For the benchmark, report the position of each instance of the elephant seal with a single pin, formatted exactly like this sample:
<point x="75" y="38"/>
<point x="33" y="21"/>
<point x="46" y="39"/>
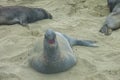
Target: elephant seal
<point x="56" y="54"/>
<point x="112" y="21"/>
<point x="22" y="15"/>
<point x="112" y="4"/>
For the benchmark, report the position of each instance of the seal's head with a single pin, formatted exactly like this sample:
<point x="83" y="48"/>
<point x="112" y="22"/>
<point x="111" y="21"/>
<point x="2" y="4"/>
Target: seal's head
<point x="50" y="38"/>
<point x="42" y="13"/>
<point x="106" y="30"/>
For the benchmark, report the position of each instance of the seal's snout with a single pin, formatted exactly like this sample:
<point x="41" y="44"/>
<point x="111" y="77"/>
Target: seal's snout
<point x="102" y="30"/>
<point x="50" y="36"/>
<point x="106" y="30"/>
<point x="51" y="41"/>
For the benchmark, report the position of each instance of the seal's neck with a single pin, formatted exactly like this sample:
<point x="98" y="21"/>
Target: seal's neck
<point x="51" y="51"/>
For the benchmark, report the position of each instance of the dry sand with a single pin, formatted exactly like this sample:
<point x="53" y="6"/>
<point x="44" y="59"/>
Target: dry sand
<point x="79" y="18"/>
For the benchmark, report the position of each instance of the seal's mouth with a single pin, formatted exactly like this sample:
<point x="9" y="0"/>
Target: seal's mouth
<point x="52" y="41"/>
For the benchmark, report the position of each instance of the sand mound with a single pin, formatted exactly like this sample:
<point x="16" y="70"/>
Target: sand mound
<point x="79" y="18"/>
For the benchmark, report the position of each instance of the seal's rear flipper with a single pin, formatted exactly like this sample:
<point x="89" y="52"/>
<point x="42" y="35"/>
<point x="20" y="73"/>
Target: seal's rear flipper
<point x="88" y="43"/>
<point x="74" y="42"/>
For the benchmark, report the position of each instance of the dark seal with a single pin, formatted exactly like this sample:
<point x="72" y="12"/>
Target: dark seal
<point x="22" y="15"/>
<point x="112" y="21"/>
<point x="112" y="4"/>
<point x="55" y="55"/>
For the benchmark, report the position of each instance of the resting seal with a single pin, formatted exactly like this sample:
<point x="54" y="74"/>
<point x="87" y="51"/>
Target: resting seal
<point x="22" y="15"/>
<point x="56" y="55"/>
<point x="112" y="21"/>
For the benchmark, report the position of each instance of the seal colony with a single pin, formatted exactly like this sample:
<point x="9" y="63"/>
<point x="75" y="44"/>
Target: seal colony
<point x="56" y="54"/>
<point x="22" y="15"/>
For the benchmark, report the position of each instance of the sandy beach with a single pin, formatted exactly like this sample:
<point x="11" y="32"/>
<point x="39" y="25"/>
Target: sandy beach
<point x="81" y="19"/>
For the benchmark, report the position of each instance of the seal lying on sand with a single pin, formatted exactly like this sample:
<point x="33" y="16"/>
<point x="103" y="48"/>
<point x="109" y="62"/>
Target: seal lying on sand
<point x="112" y="21"/>
<point x="56" y="55"/>
<point x="22" y="15"/>
<point x="112" y="4"/>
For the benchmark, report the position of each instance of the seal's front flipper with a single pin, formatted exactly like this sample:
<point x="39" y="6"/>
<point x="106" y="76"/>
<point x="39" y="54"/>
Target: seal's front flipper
<point x="24" y="24"/>
<point x="88" y="43"/>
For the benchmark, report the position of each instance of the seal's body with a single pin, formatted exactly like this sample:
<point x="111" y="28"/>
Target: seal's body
<point x="112" y="4"/>
<point x="22" y="15"/>
<point x="56" y="54"/>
